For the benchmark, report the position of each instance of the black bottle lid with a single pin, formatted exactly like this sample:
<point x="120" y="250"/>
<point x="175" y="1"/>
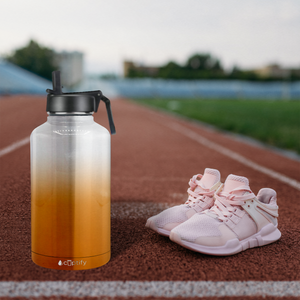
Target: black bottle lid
<point x="57" y="101"/>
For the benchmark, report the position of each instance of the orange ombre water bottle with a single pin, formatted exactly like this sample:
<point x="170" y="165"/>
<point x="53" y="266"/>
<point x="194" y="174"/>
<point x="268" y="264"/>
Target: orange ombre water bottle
<point x="70" y="182"/>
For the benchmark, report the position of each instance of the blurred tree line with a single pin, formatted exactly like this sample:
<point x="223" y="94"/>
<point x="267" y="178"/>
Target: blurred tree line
<point x="201" y="66"/>
<point x="198" y="66"/>
<point x="42" y="61"/>
<point x="35" y="58"/>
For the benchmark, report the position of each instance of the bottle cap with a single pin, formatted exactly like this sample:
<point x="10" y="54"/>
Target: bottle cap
<point x="57" y="101"/>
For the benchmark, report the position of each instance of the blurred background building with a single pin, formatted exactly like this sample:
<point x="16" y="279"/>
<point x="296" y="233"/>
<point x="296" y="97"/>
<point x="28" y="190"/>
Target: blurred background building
<point x="30" y="67"/>
<point x="71" y="66"/>
<point x="131" y="68"/>
<point x="273" y="70"/>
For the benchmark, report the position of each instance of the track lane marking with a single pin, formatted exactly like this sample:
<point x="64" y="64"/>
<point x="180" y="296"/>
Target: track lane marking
<point x="232" y="154"/>
<point x="14" y="146"/>
<point x="182" y="289"/>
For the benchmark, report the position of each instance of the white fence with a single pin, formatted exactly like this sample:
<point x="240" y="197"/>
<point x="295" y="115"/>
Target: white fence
<point x="149" y="88"/>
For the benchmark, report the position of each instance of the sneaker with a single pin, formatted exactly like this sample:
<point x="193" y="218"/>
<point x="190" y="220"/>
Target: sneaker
<point x="200" y="197"/>
<point x="238" y="220"/>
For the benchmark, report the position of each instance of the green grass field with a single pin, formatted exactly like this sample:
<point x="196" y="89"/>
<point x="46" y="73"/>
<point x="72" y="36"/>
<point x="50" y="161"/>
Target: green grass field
<point x="276" y="123"/>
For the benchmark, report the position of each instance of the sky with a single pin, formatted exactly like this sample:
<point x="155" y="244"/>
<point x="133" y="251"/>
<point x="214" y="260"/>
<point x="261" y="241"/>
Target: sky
<point x="248" y="33"/>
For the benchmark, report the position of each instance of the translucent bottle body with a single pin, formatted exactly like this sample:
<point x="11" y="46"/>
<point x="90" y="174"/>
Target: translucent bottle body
<point x="70" y="193"/>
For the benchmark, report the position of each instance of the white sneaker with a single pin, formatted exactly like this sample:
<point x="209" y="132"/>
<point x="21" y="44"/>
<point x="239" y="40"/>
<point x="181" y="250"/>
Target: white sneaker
<point x="201" y="192"/>
<point x="238" y="220"/>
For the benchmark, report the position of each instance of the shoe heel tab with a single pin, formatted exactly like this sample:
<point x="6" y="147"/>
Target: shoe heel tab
<point x="267" y="196"/>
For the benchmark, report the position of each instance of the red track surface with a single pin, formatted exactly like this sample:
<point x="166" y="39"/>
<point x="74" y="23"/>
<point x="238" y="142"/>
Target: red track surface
<point x="150" y="163"/>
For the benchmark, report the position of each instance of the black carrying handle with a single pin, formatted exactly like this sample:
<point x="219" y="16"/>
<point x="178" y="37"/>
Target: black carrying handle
<point x="99" y="96"/>
<point x="109" y="114"/>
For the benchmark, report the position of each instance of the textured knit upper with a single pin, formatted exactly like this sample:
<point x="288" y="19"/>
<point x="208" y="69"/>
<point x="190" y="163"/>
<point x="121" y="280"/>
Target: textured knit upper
<point x="200" y="197"/>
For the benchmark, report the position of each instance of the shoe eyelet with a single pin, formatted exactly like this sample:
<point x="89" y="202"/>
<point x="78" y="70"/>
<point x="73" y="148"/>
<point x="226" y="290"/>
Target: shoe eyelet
<point x="248" y="205"/>
<point x="252" y="201"/>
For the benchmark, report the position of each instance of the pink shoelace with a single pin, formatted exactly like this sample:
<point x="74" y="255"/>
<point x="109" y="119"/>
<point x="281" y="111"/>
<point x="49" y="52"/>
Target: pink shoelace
<point x="199" y="196"/>
<point x="227" y="204"/>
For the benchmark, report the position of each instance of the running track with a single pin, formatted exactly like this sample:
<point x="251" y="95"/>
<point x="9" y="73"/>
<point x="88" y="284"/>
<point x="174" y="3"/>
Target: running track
<point x="153" y="157"/>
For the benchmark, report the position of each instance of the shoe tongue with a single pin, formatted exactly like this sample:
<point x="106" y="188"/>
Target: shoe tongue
<point x="234" y="181"/>
<point x="209" y="179"/>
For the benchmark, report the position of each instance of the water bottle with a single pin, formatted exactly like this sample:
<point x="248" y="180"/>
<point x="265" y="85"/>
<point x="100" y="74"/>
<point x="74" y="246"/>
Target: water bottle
<point x="70" y="182"/>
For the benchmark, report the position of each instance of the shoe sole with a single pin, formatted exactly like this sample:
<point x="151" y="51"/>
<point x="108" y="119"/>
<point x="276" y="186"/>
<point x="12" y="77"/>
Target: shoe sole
<point x="267" y="235"/>
<point x="151" y="225"/>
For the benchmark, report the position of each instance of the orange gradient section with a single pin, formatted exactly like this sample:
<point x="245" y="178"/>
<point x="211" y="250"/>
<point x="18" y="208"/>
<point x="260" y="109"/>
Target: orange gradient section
<point x="70" y="219"/>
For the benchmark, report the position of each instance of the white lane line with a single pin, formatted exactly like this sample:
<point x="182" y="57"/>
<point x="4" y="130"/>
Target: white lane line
<point x="182" y="289"/>
<point x="234" y="155"/>
<point x="14" y="146"/>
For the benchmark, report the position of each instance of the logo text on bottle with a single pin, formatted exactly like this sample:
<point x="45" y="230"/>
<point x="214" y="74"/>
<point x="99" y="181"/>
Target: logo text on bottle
<point x="71" y="263"/>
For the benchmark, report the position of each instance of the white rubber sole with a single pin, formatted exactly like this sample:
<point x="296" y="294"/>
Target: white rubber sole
<point x="150" y="224"/>
<point x="265" y="236"/>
